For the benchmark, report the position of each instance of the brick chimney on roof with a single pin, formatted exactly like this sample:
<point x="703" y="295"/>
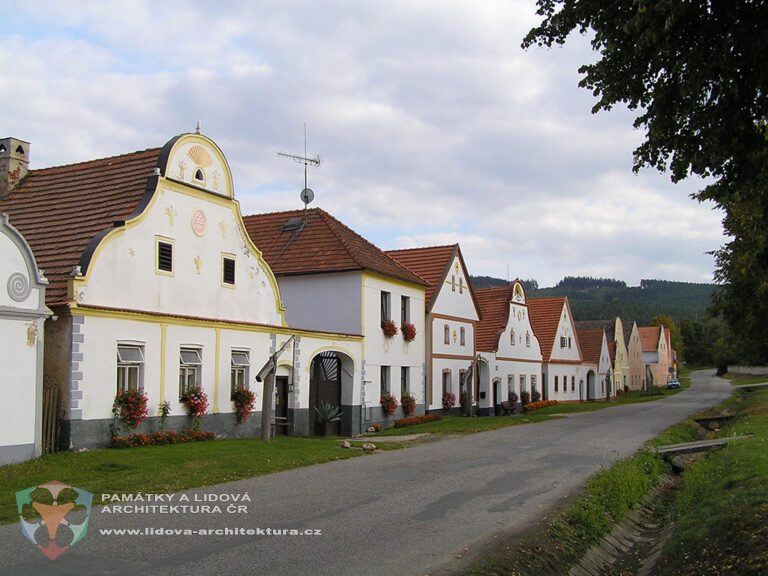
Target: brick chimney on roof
<point x="14" y="163"/>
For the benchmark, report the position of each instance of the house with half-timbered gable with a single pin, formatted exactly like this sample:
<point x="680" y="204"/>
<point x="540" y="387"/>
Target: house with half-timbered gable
<point x="555" y="328"/>
<point x="452" y="314"/>
<point x="156" y="286"/>
<point x="333" y="279"/>
<point x="508" y="346"/>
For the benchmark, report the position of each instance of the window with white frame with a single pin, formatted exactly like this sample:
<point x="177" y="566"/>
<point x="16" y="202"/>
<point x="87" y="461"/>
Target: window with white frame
<point x="239" y="372"/>
<point x="512" y="336"/>
<point x="386" y="306"/>
<point x="130" y="368"/>
<point x="405" y="310"/>
<point x="573" y="383"/>
<point x="527" y="340"/>
<point x="523" y="385"/>
<point x="557" y="384"/>
<point x="405" y="377"/>
<point x="446" y="334"/>
<point x="510" y="384"/>
<point x="462" y="337"/>
<point x="563" y="341"/>
<point x="190" y="366"/>
<point x="446" y="381"/>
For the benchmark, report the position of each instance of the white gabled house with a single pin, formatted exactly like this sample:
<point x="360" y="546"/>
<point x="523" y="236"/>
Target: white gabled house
<point x="157" y="286"/>
<point x="596" y="364"/>
<point x="553" y="323"/>
<point x="510" y="352"/>
<point x="332" y="279"/>
<point x="452" y="314"/>
<point x="22" y="314"/>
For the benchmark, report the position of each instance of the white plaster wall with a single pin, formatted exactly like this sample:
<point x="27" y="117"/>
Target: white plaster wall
<point x="18" y="369"/>
<point x="454" y="347"/>
<point x="452" y="301"/>
<point x="330" y="302"/>
<point x="455" y="366"/>
<point x="566" y="329"/>
<point x="395" y="352"/>
<point x="12" y="262"/>
<point x="520" y="322"/>
<point x="123" y="272"/>
<point x="568" y="371"/>
<point x="503" y="369"/>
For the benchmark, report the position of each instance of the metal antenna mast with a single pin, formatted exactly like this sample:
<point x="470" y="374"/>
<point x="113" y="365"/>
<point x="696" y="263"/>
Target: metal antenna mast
<point x="306" y="194"/>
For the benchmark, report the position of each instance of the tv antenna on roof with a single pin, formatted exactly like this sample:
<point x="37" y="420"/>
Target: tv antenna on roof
<point x="306" y="194"/>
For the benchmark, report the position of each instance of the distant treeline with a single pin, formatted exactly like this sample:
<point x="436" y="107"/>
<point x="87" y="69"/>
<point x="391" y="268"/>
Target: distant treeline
<point x="606" y="298"/>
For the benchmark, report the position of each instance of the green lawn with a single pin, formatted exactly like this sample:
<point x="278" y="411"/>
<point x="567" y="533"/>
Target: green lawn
<point x="463" y="425"/>
<point x="163" y="469"/>
<point x="629" y="398"/>
<point x="745" y="379"/>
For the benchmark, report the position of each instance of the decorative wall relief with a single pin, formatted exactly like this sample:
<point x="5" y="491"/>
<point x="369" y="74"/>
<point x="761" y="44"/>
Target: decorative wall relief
<point x="200" y="156"/>
<point x="216" y="180"/>
<point x="182" y="167"/>
<point x="131" y="252"/>
<point x="198" y="264"/>
<point x="18" y="287"/>
<point x="171" y="212"/>
<point x="223" y="229"/>
<point x="199" y="222"/>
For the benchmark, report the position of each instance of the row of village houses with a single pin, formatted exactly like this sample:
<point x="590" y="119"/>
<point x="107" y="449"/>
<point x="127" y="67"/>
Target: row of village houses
<point x="139" y="271"/>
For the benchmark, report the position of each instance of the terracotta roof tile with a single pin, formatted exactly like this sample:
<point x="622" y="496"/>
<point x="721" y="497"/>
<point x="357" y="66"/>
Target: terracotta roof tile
<point x="608" y="325"/>
<point x="612" y="351"/>
<point x="649" y="337"/>
<point x="494" y="307"/>
<point x="428" y="263"/>
<point x="60" y="209"/>
<point x="545" y="316"/>
<point x="591" y="342"/>
<point x="321" y="245"/>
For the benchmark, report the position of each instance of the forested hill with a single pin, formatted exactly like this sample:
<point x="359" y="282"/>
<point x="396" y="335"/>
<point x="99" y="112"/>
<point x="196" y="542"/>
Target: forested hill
<point x="605" y="298"/>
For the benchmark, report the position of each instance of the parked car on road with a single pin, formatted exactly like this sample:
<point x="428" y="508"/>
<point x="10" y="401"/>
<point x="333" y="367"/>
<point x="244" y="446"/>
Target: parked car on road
<point x="673" y="384"/>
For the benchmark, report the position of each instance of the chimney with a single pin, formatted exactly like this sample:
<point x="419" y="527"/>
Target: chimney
<point x="14" y="163"/>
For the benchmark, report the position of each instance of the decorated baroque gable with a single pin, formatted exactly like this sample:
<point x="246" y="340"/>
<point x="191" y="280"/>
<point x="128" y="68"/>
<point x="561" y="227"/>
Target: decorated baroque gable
<point x="185" y="250"/>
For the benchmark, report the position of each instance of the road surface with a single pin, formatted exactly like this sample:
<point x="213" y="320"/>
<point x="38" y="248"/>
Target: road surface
<point x="398" y="512"/>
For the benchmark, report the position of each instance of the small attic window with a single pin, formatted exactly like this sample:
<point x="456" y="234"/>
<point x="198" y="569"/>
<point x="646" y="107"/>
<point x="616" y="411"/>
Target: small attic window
<point x="293" y="224"/>
<point x="20" y="150"/>
<point x="199" y="175"/>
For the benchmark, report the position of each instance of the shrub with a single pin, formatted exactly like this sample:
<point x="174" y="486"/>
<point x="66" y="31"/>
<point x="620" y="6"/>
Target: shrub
<point x="409" y="331"/>
<point x="512" y="397"/>
<point x="403" y="422"/>
<point x="388" y="403"/>
<point x="163" y="410"/>
<point x="525" y="397"/>
<point x="409" y="404"/>
<point x="243" y="400"/>
<point x="535" y="396"/>
<point x="626" y="388"/>
<point x="619" y="393"/>
<point x="161" y="438"/>
<point x="389" y="328"/>
<point x="540" y="404"/>
<point x="130" y="407"/>
<point x="449" y="400"/>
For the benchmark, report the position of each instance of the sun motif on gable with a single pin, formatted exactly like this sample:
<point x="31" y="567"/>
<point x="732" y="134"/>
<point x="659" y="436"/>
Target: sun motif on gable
<point x="517" y="293"/>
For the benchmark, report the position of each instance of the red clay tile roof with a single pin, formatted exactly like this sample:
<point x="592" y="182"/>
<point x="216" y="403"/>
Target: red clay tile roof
<point x="627" y="329"/>
<point x="322" y="245"/>
<point x="60" y="209"/>
<point x="591" y="342"/>
<point x="612" y="351"/>
<point x="545" y="318"/>
<point x="649" y="337"/>
<point x="433" y="265"/>
<point x="494" y="308"/>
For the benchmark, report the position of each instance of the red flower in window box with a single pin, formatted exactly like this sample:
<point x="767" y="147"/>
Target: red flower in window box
<point x="196" y="401"/>
<point x="243" y="400"/>
<point x="389" y="403"/>
<point x="389" y="328"/>
<point x="409" y="331"/>
<point x="130" y="407"/>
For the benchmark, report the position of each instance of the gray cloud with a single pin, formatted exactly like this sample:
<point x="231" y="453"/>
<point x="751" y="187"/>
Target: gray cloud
<point x="434" y="126"/>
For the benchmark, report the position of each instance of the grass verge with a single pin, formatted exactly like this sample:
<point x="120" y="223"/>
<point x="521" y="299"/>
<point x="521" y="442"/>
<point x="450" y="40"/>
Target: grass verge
<point x="721" y="509"/>
<point x="463" y="425"/>
<point x="745" y="379"/>
<point x="163" y="469"/>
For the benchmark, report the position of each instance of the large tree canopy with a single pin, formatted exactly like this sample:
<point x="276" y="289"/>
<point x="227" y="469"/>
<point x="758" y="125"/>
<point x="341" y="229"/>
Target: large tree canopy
<point x="696" y="72"/>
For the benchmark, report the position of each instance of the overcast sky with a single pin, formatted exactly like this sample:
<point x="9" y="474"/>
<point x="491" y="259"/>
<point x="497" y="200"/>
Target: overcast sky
<point x="433" y="125"/>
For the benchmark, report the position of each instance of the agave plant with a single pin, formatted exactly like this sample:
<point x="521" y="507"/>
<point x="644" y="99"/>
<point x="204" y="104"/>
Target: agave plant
<point x="328" y="412"/>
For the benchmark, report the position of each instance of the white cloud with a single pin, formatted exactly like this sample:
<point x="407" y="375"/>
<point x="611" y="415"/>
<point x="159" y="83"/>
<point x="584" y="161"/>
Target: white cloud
<point x="433" y="125"/>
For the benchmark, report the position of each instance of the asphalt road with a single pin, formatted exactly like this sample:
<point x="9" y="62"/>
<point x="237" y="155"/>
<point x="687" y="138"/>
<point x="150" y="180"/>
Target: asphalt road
<point x="398" y="512"/>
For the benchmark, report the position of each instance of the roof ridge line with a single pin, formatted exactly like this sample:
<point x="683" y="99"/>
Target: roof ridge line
<point x="421" y="248"/>
<point x="94" y="160"/>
